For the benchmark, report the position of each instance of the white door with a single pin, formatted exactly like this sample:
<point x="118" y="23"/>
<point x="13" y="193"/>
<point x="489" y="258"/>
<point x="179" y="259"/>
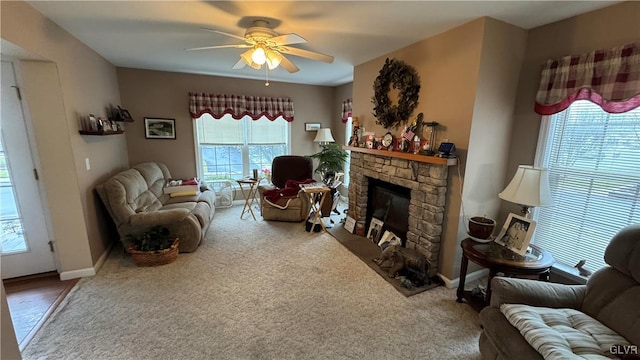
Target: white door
<point x="24" y="245"/>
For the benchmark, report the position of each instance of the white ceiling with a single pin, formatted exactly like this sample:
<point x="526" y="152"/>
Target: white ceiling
<point x="154" y="34"/>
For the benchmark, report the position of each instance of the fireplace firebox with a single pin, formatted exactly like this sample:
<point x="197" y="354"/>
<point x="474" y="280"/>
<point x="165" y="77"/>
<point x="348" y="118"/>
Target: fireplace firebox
<point x="389" y="203"/>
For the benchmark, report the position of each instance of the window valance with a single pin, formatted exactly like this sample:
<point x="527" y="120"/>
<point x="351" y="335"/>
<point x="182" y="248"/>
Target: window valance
<point x="239" y="106"/>
<point x="609" y="78"/>
<point x="346" y="110"/>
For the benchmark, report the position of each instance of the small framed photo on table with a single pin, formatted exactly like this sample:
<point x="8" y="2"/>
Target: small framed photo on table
<point x="516" y="233"/>
<point x="159" y="128"/>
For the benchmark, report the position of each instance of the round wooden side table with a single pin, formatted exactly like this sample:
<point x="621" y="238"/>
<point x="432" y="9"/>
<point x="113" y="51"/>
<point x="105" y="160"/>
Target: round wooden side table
<point x="499" y="259"/>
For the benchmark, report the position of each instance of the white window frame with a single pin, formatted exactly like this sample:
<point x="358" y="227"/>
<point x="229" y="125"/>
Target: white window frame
<point x="245" y="152"/>
<point x="545" y="134"/>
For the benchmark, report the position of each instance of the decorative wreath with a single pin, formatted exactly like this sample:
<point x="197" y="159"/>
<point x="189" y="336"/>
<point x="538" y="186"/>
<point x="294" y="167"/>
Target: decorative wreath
<point x="401" y="76"/>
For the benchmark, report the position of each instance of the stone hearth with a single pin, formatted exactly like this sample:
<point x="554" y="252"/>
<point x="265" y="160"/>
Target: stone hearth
<point x="428" y="184"/>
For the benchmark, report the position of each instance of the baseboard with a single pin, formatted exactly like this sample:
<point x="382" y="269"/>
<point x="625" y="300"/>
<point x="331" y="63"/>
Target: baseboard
<point x="73" y="274"/>
<point x="452" y="284"/>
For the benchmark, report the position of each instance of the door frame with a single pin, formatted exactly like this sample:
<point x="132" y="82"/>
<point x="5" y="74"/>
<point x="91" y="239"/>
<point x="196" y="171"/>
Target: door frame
<point x="17" y="70"/>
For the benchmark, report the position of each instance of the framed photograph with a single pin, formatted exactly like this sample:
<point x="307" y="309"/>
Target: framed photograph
<point x="516" y="233"/>
<point x="159" y="128"/>
<point x="311" y="126"/>
<point x="350" y="224"/>
<point x="124" y="115"/>
<point x="388" y="239"/>
<point x="375" y="230"/>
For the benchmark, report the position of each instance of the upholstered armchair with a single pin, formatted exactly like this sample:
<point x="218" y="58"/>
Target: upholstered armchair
<point x="291" y="205"/>
<point x="528" y="318"/>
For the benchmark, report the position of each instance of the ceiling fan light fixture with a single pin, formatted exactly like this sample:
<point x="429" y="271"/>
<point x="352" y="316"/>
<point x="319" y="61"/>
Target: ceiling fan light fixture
<point x="259" y="56"/>
<point x="273" y="59"/>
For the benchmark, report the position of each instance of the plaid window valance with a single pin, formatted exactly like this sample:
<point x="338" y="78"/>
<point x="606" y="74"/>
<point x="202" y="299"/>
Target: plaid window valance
<point x="239" y="106"/>
<point x="609" y="78"/>
<point x="346" y="110"/>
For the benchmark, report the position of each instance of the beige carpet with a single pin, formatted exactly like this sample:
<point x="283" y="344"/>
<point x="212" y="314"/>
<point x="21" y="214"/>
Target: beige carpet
<point x="254" y="290"/>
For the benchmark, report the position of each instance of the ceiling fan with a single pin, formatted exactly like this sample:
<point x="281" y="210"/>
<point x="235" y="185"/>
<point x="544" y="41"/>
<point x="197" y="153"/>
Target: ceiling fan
<point x="267" y="47"/>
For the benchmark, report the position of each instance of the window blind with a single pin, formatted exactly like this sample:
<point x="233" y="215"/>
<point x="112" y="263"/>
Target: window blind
<point x="594" y="172"/>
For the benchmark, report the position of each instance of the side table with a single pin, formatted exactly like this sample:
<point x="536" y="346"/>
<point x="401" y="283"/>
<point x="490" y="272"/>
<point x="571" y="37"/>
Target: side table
<point x="249" y="195"/>
<point x="499" y="259"/>
<point x="316" y="192"/>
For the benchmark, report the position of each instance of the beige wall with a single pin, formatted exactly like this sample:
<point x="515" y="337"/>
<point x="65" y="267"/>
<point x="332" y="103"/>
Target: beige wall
<point x="8" y="343"/>
<point x="608" y="27"/>
<point x="468" y="80"/>
<point x="88" y="84"/>
<point x="147" y="93"/>
<point x="342" y="93"/>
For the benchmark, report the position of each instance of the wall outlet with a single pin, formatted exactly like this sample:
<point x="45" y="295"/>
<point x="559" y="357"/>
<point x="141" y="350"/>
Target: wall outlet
<point x="87" y="163"/>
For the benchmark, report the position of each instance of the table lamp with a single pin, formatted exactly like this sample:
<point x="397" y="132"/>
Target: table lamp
<point x="528" y="188"/>
<point x="323" y="136"/>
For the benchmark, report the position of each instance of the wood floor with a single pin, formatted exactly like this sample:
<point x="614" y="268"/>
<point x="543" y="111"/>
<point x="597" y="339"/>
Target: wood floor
<point x="32" y="299"/>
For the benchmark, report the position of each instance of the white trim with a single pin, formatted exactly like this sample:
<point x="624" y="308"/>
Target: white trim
<point x="73" y="274"/>
<point x="452" y="284"/>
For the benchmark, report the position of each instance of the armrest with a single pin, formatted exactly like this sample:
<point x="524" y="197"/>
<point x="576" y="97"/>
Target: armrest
<point x="535" y="293"/>
<point x="160" y="217"/>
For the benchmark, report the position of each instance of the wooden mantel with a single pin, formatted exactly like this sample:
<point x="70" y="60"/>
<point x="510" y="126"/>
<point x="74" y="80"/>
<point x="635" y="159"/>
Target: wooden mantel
<point x="407" y="156"/>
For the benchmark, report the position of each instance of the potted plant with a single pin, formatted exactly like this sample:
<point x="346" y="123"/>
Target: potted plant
<point x="481" y="227"/>
<point x="152" y="247"/>
<point x="331" y="160"/>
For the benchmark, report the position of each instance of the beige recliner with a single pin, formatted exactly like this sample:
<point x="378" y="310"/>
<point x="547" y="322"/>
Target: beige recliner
<point x="610" y="299"/>
<point x="284" y="168"/>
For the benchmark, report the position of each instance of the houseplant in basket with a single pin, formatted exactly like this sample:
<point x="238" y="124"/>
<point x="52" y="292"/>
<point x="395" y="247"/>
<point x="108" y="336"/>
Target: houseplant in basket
<point x="152" y="247"/>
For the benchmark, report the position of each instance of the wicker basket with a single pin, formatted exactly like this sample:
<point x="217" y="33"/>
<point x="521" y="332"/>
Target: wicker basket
<point x="155" y="258"/>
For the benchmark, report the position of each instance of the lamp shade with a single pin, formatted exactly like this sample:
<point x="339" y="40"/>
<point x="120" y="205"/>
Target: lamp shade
<point x="529" y="187"/>
<point x="324" y="136"/>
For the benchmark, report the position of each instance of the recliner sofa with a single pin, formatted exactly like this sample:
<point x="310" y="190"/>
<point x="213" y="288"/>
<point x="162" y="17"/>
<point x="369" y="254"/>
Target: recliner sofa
<point x="136" y="202"/>
<point x="598" y="320"/>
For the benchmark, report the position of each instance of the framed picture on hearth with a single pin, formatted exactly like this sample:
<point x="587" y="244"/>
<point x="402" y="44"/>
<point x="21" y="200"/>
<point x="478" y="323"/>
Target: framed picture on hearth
<point x="375" y="230"/>
<point x="388" y="239"/>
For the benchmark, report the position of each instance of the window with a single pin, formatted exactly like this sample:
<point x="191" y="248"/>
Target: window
<point x="594" y="173"/>
<point x="230" y="149"/>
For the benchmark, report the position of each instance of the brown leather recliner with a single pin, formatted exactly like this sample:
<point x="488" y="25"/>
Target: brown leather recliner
<point x="284" y="168"/>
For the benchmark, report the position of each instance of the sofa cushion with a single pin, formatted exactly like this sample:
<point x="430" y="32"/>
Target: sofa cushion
<point x="562" y="333"/>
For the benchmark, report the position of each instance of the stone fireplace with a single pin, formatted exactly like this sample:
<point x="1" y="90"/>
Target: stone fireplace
<point x="425" y="178"/>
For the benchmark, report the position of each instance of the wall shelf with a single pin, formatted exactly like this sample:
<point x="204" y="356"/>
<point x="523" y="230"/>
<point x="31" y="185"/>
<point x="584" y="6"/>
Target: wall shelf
<point x="404" y="155"/>
<point x="100" y="133"/>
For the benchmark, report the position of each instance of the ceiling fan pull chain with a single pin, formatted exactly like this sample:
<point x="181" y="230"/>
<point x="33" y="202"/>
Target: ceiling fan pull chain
<point x="266" y="68"/>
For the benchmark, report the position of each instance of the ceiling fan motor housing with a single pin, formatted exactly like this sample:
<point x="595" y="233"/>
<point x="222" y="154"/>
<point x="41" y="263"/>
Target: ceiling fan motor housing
<point x="260" y="31"/>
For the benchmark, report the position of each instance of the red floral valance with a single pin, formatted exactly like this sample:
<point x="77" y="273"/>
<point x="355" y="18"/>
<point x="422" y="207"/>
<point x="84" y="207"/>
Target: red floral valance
<point x="609" y="78"/>
<point x="346" y="110"/>
<point x="239" y="106"/>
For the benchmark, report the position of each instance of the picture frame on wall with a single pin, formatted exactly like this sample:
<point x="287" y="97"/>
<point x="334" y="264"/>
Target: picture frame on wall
<point x="311" y="126"/>
<point x="516" y="233"/>
<point x="159" y="128"/>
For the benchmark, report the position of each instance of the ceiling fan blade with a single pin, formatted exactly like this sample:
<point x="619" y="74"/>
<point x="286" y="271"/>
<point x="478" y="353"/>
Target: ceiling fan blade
<point x="239" y="65"/>
<point x="288" y="39"/>
<point x="224" y="33"/>
<point x="306" y="54"/>
<point x="237" y="46"/>
<point x="288" y="65"/>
